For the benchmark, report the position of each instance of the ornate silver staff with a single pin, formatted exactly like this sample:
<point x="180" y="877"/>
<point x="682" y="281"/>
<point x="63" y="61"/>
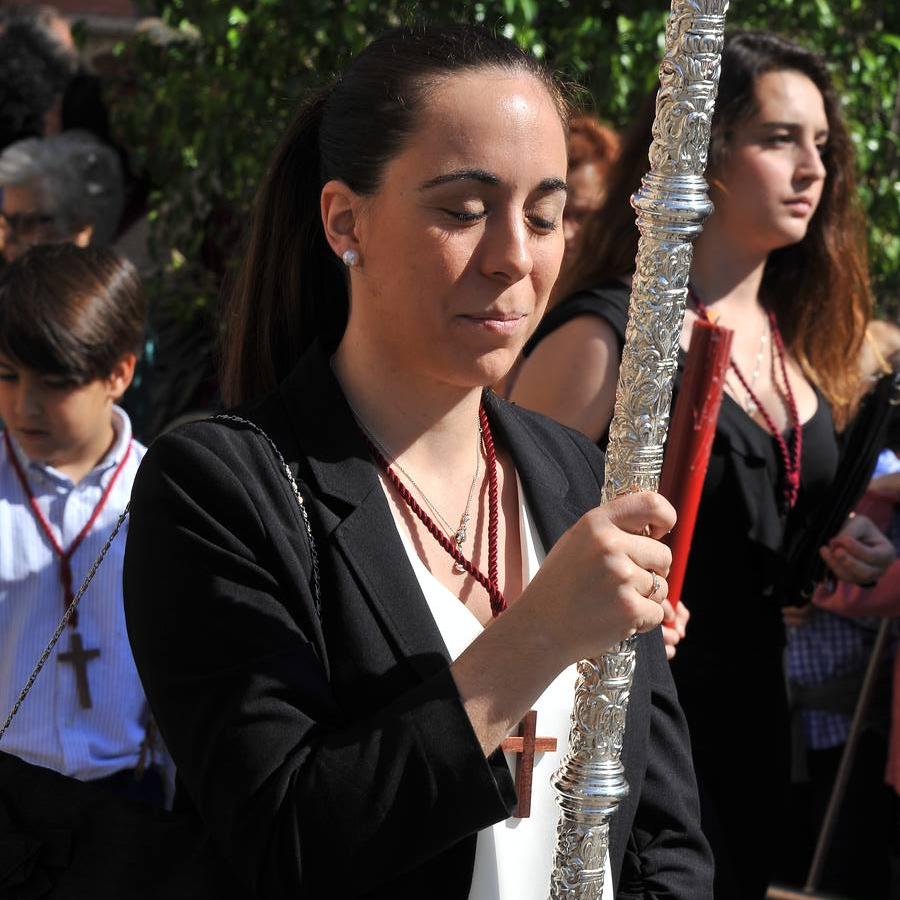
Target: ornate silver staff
<point x="671" y="205"/>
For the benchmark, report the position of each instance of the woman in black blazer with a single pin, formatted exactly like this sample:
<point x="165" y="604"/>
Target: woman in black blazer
<point x="304" y="686"/>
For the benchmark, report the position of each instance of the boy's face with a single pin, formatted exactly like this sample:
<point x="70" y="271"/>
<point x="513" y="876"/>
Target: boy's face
<point x="66" y="426"/>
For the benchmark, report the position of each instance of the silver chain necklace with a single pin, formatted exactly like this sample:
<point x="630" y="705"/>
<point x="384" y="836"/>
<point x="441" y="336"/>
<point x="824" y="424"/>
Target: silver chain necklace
<point x="462" y="530"/>
<point x="750" y="405"/>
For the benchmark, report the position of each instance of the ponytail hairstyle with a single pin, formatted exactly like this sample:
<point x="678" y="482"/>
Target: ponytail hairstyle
<point x="819" y="287"/>
<point x="291" y="289"/>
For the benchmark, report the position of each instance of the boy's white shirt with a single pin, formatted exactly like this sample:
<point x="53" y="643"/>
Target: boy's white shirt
<point x="52" y="729"/>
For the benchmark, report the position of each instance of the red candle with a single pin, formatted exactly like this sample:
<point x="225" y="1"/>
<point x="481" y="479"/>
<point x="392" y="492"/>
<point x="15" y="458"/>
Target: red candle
<point x="690" y="439"/>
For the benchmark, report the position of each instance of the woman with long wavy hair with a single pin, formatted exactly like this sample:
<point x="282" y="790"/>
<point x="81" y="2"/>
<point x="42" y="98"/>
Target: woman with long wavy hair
<point x="782" y="263"/>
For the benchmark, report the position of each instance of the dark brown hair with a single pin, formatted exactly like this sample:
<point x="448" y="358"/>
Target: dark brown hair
<point x="607" y="242"/>
<point x="590" y="141"/>
<point x="822" y="279"/>
<point x="291" y="288"/>
<point x="70" y="311"/>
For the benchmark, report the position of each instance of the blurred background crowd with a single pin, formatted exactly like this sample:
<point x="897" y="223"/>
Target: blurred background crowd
<point x="150" y="124"/>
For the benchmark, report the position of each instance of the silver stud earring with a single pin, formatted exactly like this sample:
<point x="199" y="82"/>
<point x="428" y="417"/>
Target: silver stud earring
<point x="350" y="258"/>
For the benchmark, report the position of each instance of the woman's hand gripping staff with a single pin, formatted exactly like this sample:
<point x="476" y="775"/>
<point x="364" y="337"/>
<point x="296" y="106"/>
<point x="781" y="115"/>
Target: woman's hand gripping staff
<point x="602" y="582"/>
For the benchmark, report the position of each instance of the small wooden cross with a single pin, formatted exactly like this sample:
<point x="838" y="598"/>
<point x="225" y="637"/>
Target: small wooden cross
<point x="526" y="745"/>
<point x="79" y="657"/>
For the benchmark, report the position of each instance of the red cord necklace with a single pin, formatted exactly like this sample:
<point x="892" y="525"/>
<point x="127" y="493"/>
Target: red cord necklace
<point x="490" y="582"/>
<point x="790" y="457"/>
<point x="64" y="555"/>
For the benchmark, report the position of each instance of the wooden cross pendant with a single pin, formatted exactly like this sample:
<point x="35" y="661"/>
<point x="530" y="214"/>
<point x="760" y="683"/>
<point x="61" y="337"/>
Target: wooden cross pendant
<point x="79" y="658"/>
<point x="526" y="745"/>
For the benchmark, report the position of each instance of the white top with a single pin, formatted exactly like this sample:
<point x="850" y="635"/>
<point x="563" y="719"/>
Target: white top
<point x="52" y="729"/>
<point x="514" y="858"/>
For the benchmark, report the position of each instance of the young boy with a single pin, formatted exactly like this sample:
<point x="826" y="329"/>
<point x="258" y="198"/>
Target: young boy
<point x="71" y="326"/>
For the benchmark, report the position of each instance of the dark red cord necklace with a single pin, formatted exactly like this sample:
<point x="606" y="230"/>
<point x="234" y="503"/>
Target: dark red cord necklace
<point x="790" y="457"/>
<point x="490" y="582"/>
<point x="64" y="555"/>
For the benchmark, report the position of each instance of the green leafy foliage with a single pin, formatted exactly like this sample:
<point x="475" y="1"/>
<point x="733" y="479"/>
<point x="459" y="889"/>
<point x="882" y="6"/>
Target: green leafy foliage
<point x="203" y="111"/>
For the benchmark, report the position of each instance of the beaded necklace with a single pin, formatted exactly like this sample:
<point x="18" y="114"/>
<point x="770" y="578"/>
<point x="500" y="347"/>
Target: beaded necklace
<point x="64" y="554"/>
<point x="460" y="533"/>
<point x="489" y="582"/>
<point x="790" y="457"/>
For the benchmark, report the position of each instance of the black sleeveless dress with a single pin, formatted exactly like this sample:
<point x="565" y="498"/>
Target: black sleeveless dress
<point x="728" y="669"/>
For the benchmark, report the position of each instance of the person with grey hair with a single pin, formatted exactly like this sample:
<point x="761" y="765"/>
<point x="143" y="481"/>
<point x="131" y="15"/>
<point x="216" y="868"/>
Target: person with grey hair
<point x="58" y="189"/>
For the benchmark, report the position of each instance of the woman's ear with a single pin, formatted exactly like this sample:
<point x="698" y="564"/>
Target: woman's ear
<point x="340" y="208"/>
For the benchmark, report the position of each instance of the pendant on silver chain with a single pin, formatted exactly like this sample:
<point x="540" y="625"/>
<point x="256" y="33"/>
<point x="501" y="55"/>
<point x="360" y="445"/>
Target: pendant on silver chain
<point x="460" y="538"/>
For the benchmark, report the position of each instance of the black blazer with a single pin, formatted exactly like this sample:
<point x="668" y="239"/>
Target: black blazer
<point x="329" y="752"/>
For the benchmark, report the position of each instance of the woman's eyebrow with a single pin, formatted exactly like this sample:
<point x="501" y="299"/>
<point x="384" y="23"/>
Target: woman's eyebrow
<point x="549" y="185"/>
<point x="482" y="176"/>
<point x="479" y="175"/>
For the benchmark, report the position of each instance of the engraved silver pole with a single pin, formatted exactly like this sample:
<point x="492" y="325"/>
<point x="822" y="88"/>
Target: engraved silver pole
<point x="671" y="205"/>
